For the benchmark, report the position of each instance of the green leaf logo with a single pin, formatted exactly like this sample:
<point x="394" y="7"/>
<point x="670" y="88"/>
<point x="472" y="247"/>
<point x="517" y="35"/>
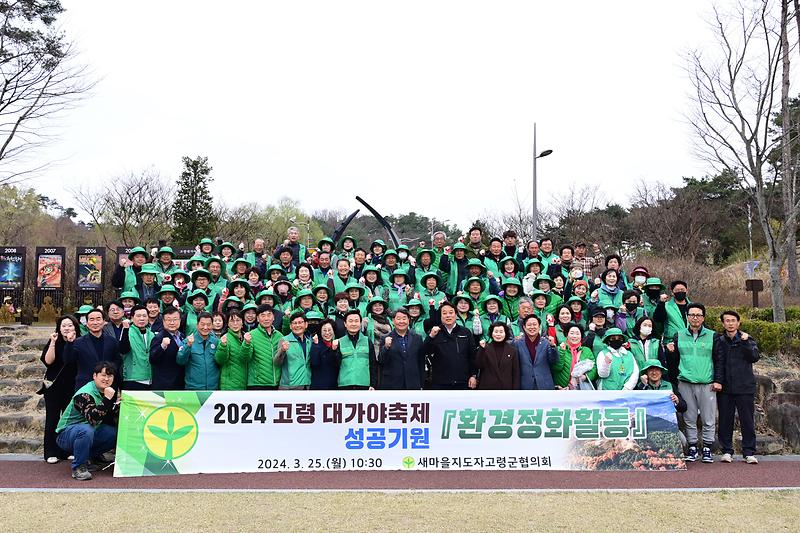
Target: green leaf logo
<point x="170" y="432"/>
<point x="408" y="462"/>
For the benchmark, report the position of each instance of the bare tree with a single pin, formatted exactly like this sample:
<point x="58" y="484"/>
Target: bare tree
<point x="734" y="96"/>
<point x="572" y="212"/>
<point x="39" y="79"/>
<point x="240" y="223"/>
<point x="133" y="209"/>
<point x="518" y="218"/>
<point x="787" y="170"/>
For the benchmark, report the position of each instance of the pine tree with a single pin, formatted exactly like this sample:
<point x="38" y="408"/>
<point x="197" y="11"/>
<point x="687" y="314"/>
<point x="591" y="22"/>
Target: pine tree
<point x="193" y="206"/>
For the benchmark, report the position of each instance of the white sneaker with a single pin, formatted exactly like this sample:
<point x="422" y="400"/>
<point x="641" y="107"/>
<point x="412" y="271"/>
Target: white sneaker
<point x="751" y="460"/>
<point x="71" y="458"/>
<point x="53" y="460"/>
<point x="726" y="458"/>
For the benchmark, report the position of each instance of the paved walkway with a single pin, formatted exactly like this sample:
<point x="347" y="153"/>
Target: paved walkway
<point x="20" y="472"/>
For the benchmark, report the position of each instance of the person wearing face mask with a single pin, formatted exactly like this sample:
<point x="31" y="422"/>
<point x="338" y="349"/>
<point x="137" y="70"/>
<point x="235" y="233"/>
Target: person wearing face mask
<point x="639" y="276"/>
<point x="629" y="313"/>
<point x="653" y="290"/>
<point x="616" y="366"/>
<point x="645" y="344"/>
<point x="672" y="313"/>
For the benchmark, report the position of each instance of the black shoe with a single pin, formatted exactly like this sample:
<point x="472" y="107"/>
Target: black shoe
<point x="692" y="455"/>
<point x="82" y="473"/>
<point x="707" y="457"/>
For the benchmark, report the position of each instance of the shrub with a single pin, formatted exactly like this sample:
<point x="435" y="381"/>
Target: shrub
<point x="772" y="337"/>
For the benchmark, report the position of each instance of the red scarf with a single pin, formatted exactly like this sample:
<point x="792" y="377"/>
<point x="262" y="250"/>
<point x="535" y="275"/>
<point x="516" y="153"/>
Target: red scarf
<point x="532" y="344"/>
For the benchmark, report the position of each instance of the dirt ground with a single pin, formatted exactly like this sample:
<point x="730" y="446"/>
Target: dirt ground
<point x="427" y="511"/>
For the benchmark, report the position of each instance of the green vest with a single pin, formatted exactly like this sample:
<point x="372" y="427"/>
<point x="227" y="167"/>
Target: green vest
<point x="437" y="297"/>
<point x="164" y="271"/>
<point x="72" y="416"/>
<point x="338" y="284"/>
<point x="191" y="320"/>
<point x="492" y="266"/>
<point x="485" y="323"/>
<point x="622" y="366"/>
<point x="675" y="321"/>
<point x="631" y="319"/>
<point x="296" y="368"/>
<point x="697" y="364"/>
<point x="605" y="299"/>
<point x="638" y="350"/>
<point x="232" y="359"/>
<point x="354" y="369"/>
<point x="130" y="280"/>
<point x="136" y="363"/>
<point x="510" y="307"/>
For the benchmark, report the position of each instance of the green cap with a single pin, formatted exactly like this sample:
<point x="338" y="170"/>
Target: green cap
<point x="195" y="293"/>
<point x="429" y="274"/>
<point x="652" y="363"/>
<point x="149" y="268"/>
<point x="475" y="278"/>
<point x="511" y="281"/>
<point x="377" y="300"/>
<point x="400" y="272"/>
<point x="353" y="284"/>
<point x="458" y="246"/>
<point x="265" y="292"/>
<point x="377" y="241"/>
<point x="223" y="268"/>
<point x="537" y="292"/>
<point x="346" y="237"/>
<point x="654" y="282"/>
<point x="230" y="300"/>
<point x="373" y="268"/>
<point x="613" y="332"/>
<point x="180" y="272"/>
<point x="138" y="250"/>
<point x="314" y="315"/>
<point x="86" y="309"/>
<point x="490" y="298"/>
<point x="275" y="267"/>
<point x="467" y="299"/>
<point x="390" y="251"/>
<point x="507" y="258"/>
<point x="324" y="240"/>
<point x="200" y="272"/>
<point x="476" y="262"/>
<point x="165" y="289"/>
<point x="323" y="287"/>
<point x="301" y="294"/>
<point x="226" y="244"/>
<point x="540" y="278"/>
<point x="248" y="306"/>
<point x="197" y="259"/>
<point x="206" y="241"/>
<point x="166" y="250"/>
<point x="528" y="262"/>
<point x="425" y="251"/>
<point x="240" y="260"/>
<point x="583" y="303"/>
<point x="133" y="295"/>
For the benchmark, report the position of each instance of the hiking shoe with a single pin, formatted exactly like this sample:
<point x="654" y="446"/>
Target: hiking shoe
<point x="81" y="473"/>
<point x="751" y="460"/>
<point x="726" y="458"/>
<point x="707" y="458"/>
<point x="692" y="455"/>
<point x="53" y="460"/>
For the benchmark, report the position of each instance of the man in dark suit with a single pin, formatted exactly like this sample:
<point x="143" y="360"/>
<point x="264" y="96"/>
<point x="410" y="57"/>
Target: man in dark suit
<point x="96" y="347"/>
<point x="401" y="358"/>
<point x="167" y="373"/>
<point x="452" y="352"/>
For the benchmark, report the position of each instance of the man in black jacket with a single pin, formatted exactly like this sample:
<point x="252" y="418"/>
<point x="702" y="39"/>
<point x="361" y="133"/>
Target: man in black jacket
<point x="167" y="374"/>
<point x="452" y="352"/>
<point x="734" y="354"/>
<point x="401" y="358"/>
<point x="96" y="347"/>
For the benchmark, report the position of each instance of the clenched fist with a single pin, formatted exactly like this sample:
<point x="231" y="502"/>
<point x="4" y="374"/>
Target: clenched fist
<point x="224" y="340"/>
<point x="387" y="342"/>
<point x="248" y="338"/>
<point x="164" y="343"/>
<point x="190" y="340"/>
<point x="284" y="346"/>
<point x="435" y="331"/>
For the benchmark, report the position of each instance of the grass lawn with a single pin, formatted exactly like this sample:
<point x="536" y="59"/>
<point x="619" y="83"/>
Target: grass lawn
<point x="349" y="511"/>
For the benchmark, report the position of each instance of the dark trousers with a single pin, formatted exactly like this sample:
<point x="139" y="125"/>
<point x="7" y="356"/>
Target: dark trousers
<point x="354" y="387"/>
<point x="55" y="402"/>
<point x="744" y="404"/>
<point x="262" y="387"/>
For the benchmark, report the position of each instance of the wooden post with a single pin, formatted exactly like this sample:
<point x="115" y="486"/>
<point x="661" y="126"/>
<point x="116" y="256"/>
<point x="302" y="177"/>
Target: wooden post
<point x="755" y="286"/>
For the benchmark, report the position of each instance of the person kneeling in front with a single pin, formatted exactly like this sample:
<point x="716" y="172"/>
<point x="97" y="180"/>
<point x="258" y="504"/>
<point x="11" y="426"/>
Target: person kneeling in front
<point x="86" y="429"/>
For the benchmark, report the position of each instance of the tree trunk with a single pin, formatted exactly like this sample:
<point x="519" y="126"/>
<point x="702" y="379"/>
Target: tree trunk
<point x="776" y="290"/>
<point x="787" y="168"/>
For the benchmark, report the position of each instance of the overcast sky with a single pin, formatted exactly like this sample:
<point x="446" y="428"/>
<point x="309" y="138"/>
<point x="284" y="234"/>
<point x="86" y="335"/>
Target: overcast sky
<point x="424" y="106"/>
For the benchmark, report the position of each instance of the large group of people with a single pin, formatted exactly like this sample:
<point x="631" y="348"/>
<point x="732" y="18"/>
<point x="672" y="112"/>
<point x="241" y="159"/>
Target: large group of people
<point x="477" y="314"/>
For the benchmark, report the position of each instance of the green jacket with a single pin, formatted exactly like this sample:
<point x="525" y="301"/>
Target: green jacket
<point x="130" y="280"/>
<point x="296" y="367"/>
<point x="172" y="267"/>
<point x="72" y="416"/>
<point x="232" y="358"/>
<point x="696" y="362"/>
<point x="202" y="372"/>
<point x="563" y="367"/>
<point x="509" y="306"/>
<point x="607" y="299"/>
<point x="136" y="362"/>
<point x="354" y="369"/>
<point x="261" y="370"/>
<point x="425" y="297"/>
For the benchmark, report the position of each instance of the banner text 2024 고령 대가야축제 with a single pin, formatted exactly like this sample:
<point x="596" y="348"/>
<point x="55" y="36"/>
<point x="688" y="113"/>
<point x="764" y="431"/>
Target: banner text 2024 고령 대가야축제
<point x="190" y="432"/>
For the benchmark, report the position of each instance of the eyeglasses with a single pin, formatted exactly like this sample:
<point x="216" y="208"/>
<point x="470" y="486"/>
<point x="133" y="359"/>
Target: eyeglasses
<point x="694" y="315"/>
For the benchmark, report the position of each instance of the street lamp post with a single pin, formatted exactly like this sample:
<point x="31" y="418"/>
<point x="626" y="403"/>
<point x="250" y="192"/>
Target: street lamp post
<point x="544" y="153"/>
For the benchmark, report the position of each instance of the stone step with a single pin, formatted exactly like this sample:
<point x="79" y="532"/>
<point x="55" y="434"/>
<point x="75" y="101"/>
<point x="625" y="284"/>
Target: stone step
<point x="16" y="422"/>
<point x="30" y="370"/>
<point x="765" y="444"/>
<point x="14" y="402"/>
<point x="32" y="344"/>
<point x="15" y="328"/>
<point x="10" y="444"/>
<point x="6" y="339"/>
<point x="784" y="397"/>
<point x="29" y="357"/>
<point x="26" y="385"/>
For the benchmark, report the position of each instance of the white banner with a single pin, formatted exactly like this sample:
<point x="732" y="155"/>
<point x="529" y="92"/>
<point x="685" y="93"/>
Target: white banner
<point x="189" y="432"/>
